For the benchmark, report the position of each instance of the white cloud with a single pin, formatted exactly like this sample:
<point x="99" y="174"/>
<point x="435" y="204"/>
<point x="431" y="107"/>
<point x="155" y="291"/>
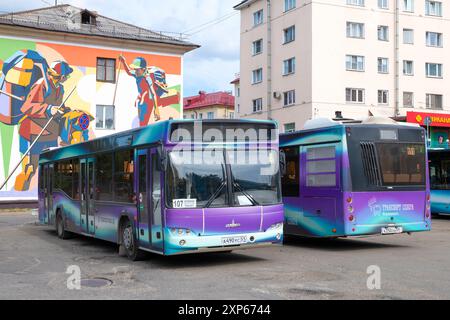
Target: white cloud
<point x="210" y="67"/>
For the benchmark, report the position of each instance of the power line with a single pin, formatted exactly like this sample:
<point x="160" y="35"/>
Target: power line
<point x="209" y="24"/>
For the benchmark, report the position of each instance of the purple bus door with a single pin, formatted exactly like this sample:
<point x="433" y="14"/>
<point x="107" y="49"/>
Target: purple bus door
<point x="142" y="162"/>
<point x="87" y="211"/>
<point x="48" y="193"/>
<point x="156" y="201"/>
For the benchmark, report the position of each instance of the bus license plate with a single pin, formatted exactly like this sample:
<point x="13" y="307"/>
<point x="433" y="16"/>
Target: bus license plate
<point x="227" y="241"/>
<point x="391" y="230"/>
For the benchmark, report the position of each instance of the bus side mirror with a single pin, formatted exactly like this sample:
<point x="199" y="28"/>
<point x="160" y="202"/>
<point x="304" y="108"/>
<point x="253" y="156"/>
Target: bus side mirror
<point x="162" y="154"/>
<point x="282" y="163"/>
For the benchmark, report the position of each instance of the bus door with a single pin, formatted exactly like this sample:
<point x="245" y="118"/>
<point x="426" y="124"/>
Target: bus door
<point x="48" y="193"/>
<point x="149" y="199"/>
<point x="143" y="201"/>
<point x="87" y="171"/>
<point x="156" y="201"/>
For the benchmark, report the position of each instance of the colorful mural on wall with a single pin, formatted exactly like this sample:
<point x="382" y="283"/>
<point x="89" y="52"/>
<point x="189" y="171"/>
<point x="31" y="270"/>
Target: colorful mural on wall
<point x="56" y="87"/>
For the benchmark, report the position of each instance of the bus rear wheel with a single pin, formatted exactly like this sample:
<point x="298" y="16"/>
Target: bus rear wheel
<point x="59" y="225"/>
<point x="129" y="243"/>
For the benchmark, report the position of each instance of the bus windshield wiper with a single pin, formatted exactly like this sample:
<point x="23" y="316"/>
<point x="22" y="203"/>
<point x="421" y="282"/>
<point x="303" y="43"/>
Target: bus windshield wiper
<point x="245" y="193"/>
<point x="218" y="191"/>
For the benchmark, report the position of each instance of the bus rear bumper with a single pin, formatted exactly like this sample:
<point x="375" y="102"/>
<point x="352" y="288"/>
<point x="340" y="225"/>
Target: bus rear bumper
<point x="376" y="229"/>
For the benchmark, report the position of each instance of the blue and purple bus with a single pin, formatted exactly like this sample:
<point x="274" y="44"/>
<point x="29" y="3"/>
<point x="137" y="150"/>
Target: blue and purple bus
<point x="170" y="188"/>
<point x="353" y="178"/>
<point x="439" y="163"/>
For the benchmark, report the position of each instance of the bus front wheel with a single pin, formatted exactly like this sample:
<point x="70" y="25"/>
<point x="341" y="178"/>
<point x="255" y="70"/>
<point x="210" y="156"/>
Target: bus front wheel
<point x="59" y="225"/>
<point x="129" y="243"/>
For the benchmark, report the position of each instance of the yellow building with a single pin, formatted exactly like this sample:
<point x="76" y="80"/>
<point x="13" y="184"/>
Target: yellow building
<point x="217" y="105"/>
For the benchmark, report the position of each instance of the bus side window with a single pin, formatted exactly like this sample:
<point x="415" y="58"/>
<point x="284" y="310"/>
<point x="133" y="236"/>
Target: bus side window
<point x="156" y="189"/>
<point x="291" y="178"/>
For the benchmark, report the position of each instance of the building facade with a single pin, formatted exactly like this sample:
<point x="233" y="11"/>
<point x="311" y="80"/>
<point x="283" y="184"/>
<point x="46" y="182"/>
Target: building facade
<point x="310" y="58"/>
<point x="83" y="74"/>
<point x="216" y="105"/>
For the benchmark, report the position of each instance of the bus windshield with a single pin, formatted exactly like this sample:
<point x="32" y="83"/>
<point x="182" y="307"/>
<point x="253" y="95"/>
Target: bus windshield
<point x="402" y="163"/>
<point x="193" y="182"/>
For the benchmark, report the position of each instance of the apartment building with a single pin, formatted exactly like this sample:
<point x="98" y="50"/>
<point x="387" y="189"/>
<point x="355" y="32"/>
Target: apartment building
<point x="215" y="105"/>
<point x="302" y="59"/>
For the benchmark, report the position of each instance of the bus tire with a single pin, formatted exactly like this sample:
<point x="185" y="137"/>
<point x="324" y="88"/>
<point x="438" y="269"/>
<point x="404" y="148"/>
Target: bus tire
<point x="128" y="243"/>
<point x="59" y="226"/>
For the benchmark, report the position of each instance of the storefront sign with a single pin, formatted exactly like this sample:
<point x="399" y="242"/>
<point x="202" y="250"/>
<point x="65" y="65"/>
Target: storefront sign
<point x="432" y="119"/>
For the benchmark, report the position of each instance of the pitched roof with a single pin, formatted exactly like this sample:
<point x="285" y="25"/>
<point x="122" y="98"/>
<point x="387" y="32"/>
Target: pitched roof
<point x="237" y="80"/>
<point x="208" y="100"/>
<point x="67" y="18"/>
<point x="243" y="3"/>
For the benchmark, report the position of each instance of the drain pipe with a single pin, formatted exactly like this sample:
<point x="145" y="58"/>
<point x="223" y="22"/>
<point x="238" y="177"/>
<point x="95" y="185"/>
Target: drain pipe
<point x="396" y="57"/>
<point x="269" y="60"/>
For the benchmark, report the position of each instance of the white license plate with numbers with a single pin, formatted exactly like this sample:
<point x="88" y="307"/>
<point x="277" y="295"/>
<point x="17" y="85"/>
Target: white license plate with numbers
<point x="227" y="241"/>
<point x="391" y="230"/>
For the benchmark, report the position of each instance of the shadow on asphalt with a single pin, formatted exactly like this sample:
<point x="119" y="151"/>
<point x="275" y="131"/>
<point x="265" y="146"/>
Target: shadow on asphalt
<point x="99" y="249"/>
<point x="339" y="244"/>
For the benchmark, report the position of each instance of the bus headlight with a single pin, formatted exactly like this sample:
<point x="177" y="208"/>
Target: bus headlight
<point x="275" y="226"/>
<point x="179" y="232"/>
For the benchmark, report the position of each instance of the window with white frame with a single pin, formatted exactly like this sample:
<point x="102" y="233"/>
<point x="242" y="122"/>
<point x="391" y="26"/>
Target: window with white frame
<point x="354" y="63"/>
<point x="289" y="127"/>
<point x="433" y="8"/>
<point x="408" y="36"/>
<point x="434" y="39"/>
<point x="288" y="98"/>
<point x="231" y="115"/>
<point x="289" y="66"/>
<point x="383" y="96"/>
<point x="289" y="5"/>
<point x="408" y="5"/>
<point x="355" y="30"/>
<point x="383" y="65"/>
<point x="408" y="99"/>
<point x="257" y="47"/>
<point x="383" y="4"/>
<point x="257" y="76"/>
<point x="383" y="33"/>
<point x="289" y="34"/>
<point x="433" y="70"/>
<point x="105" y="117"/>
<point x="356" y="2"/>
<point x="354" y="95"/>
<point x="257" y="105"/>
<point x="210" y="115"/>
<point x="258" y="17"/>
<point x="434" y="101"/>
<point x="408" y="67"/>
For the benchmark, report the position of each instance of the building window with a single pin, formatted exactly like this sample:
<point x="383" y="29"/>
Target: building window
<point x="355" y="30"/>
<point x="408" y="36"/>
<point x="383" y="96"/>
<point x="106" y="70"/>
<point x="289" y="5"/>
<point x="289" y="34"/>
<point x="200" y="115"/>
<point x="257" y="47"/>
<point x="434" y="101"/>
<point x="354" y="95"/>
<point x="383" y="33"/>
<point x="105" y="117"/>
<point x="354" y="63"/>
<point x="433" y="8"/>
<point x="408" y="5"/>
<point x="231" y="115"/>
<point x="257" y="105"/>
<point x="433" y="70"/>
<point x="257" y="76"/>
<point x="408" y="99"/>
<point x="383" y="4"/>
<point x="408" y="67"/>
<point x="210" y="115"/>
<point x="288" y="66"/>
<point x="383" y="65"/>
<point x="288" y="98"/>
<point x="258" y="17"/>
<point x="434" y="39"/>
<point x="356" y="2"/>
<point x="289" y="127"/>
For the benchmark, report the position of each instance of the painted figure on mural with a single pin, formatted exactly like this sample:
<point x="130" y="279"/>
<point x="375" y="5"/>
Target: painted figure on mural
<point x="151" y="84"/>
<point x="32" y="94"/>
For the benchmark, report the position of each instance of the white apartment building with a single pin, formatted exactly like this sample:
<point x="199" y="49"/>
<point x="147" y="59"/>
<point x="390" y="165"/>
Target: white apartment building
<point x="302" y="59"/>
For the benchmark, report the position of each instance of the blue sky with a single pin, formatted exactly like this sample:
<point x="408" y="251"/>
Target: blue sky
<point x="210" y="68"/>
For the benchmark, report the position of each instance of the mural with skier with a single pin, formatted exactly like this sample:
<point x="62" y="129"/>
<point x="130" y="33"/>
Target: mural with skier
<point x="54" y="95"/>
